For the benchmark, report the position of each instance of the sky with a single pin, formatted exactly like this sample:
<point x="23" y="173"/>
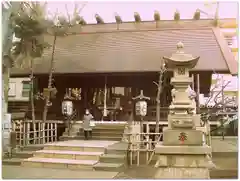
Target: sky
<point x="146" y="10"/>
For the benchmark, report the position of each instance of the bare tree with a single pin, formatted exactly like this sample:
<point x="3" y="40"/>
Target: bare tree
<point x="219" y="106"/>
<point x="61" y="28"/>
<point x="159" y="91"/>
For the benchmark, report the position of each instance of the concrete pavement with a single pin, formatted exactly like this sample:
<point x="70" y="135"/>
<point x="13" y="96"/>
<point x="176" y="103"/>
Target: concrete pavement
<point x="18" y="172"/>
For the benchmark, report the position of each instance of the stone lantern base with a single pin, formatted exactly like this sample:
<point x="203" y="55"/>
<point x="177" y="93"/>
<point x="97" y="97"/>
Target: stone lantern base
<point x="182" y="162"/>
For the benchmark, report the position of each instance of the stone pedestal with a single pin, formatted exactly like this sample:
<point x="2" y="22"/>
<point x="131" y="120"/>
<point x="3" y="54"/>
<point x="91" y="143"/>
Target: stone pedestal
<point x="183" y="162"/>
<point x="194" y="137"/>
<point x="182" y="154"/>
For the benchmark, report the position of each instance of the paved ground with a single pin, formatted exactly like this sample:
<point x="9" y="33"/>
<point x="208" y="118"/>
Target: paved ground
<point x="18" y="172"/>
<point x="83" y="143"/>
<point x="229" y="145"/>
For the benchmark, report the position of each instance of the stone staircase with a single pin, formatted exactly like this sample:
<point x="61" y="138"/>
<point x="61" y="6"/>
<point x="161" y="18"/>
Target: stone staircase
<point x="102" y="131"/>
<point x="79" y="155"/>
<point x="114" y="158"/>
<point x="20" y="154"/>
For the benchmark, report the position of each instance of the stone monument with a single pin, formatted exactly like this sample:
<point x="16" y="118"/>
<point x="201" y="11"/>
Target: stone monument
<point x="182" y="153"/>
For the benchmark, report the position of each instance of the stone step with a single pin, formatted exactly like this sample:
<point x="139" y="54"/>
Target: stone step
<point x="109" y="167"/>
<point x="71" y="133"/>
<point x="115" y="151"/>
<point x="109" y="129"/>
<point x="96" y="134"/>
<point x="32" y="147"/>
<point x="112" y="158"/>
<point x="103" y="132"/>
<point x="59" y="163"/>
<point x="82" y="148"/>
<point x="62" y="154"/>
<point x="23" y="154"/>
<point x="110" y="134"/>
<point x="64" y="138"/>
<point x="224" y="174"/>
<point x="12" y="161"/>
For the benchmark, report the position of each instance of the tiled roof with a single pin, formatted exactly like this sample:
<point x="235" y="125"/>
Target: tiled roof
<point x="132" y="51"/>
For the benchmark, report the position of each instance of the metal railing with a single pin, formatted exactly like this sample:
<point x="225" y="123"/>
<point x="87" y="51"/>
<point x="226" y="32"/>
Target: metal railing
<point x="37" y="132"/>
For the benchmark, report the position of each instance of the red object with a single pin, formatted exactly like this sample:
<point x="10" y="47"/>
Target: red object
<point x="182" y="137"/>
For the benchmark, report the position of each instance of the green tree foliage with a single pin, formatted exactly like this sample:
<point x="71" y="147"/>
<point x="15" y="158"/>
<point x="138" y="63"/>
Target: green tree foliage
<point x="29" y="26"/>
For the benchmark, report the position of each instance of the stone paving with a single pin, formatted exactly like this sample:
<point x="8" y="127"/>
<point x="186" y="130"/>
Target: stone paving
<point x="228" y="145"/>
<point x="16" y="172"/>
<point x="83" y="143"/>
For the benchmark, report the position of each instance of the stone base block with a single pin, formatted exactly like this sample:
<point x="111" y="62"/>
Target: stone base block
<point x="183" y="161"/>
<point x="181" y="121"/>
<point x="184" y="150"/>
<point x="182" y="173"/>
<point x="197" y="120"/>
<point x="173" y="137"/>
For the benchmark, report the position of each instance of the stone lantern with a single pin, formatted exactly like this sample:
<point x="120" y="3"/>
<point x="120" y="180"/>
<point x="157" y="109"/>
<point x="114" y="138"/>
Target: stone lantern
<point x="182" y="154"/>
<point x="181" y="109"/>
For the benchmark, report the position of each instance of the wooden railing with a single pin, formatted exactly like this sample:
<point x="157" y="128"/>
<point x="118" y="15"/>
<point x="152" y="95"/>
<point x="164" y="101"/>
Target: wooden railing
<point x="138" y="146"/>
<point x="38" y="132"/>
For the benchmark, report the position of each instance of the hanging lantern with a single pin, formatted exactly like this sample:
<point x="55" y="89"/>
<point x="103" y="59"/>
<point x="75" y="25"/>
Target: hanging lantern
<point x="67" y="107"/>
<point x="141" y="108"/>
<point x="141" y="104"/>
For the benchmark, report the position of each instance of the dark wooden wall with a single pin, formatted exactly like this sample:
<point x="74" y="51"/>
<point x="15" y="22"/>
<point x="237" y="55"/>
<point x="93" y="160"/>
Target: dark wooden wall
<point x="136" y="81"/>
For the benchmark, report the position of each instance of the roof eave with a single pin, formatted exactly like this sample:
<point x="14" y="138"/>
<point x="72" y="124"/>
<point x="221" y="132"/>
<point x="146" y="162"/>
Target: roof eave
<point x="226" y="51"/>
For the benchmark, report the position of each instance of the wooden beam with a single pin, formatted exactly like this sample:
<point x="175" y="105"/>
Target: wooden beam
<point x="198" y="94"/>
<point x="229" y="34"/>
<point x="177" y="16"/>
<point x="197" y="15"/>
<point x="99" y="19"/>
<point x="229" y="24"/>
<point x="118" y="19"/>
<point x="156" y="16"/>
<point x="228" y="55"/>
<point x="137" y="17"/>
<point x="234" y="49"/>
<point x="82" y="21"/>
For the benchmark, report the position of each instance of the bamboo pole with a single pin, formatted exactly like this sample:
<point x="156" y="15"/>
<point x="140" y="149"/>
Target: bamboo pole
<point x="34" y="133"/>
<point x="52" y="132"/>
<point x="55" y="131"/>
<point x="48" y="131"/>
<point x="24" y="133"/>
<point x="28" y="134"/>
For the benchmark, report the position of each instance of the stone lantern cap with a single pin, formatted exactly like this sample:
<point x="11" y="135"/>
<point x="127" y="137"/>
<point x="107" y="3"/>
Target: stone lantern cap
<point x="180" y="59"/>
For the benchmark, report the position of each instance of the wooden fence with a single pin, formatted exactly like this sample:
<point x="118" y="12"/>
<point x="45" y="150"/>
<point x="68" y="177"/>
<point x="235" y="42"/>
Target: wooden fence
<point x="136" y="145"/>
<point x="38" y="132"/>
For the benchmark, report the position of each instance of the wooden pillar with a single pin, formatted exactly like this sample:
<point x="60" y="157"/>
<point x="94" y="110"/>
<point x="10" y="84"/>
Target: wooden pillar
<point x="198" y="94"/>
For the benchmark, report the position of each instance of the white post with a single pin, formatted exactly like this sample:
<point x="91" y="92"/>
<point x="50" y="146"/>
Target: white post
<point x="105" y="98"/>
